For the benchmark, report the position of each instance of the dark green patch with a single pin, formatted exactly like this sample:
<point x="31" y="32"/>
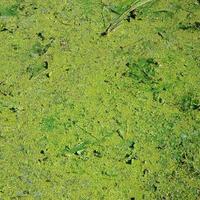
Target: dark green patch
<point x="39" y="49"/>
<point x="189" y="102"/>
<point x="48" y="124"/>
<point x="191" y="26"/>
<point x="184" y="152"/>
<point x="143" y="71"/>
<point x="9" y="11"/>
<point x="34" y="70"/>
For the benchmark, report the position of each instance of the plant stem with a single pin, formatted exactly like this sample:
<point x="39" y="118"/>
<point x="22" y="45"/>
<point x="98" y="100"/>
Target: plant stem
<point x="132" y="7"/>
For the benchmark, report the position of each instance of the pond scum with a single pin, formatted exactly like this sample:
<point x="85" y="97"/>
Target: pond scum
<point x="87" y="117"/>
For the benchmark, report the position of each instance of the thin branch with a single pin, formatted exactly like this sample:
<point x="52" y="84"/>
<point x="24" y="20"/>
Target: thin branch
<point x="117" y="21"/>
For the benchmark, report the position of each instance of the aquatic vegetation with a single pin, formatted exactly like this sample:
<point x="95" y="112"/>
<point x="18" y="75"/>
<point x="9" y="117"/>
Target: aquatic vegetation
<point x="9" y="11"/>
<point x="39" y="49"/>
<point x="135" y="5"/>
<point x="34" y="70"/>
<point x="77" y="149"/>
<point x="119" y="8"/>
<point x="190" y="26"/>
<point x="48" y="124"/>
<point x="143" y="71"/>
<point x="189" y="102"/>
<point x="89" y="117"/>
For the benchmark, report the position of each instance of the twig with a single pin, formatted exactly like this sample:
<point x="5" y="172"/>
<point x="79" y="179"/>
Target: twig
<point x="132" y="7"/>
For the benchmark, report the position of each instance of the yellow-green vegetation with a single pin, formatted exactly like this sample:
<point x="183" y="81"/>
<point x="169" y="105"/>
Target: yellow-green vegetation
<point x="91" y="117"/>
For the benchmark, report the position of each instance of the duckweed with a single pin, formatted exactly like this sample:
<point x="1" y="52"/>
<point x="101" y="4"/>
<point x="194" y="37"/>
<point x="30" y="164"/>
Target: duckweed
<point x="89" y="117"/>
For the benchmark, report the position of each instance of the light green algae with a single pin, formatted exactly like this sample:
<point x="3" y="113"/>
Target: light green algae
<point x="88" y="117"/>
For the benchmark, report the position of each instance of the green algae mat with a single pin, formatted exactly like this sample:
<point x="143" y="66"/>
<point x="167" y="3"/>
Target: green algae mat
<point x="92" y="116"/>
